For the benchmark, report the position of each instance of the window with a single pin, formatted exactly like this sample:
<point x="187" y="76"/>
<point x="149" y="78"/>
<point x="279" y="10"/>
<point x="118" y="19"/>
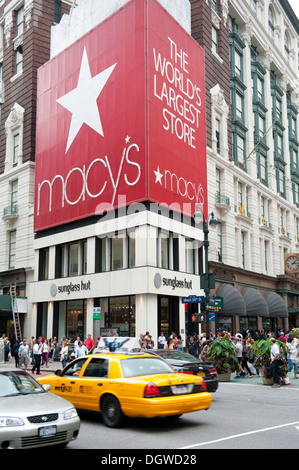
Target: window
<point x="14" y="193"/>
<point x="243" y="249"/>
<point x="260" y="88"/>
<point x="261" y="126"/>
<point x="190" y="250"/>
<point x="271" y="23"/>
<point x="215" y="40"/>
<point x="14" y="125"/>
<point x="117" y="252"/>
<point x="131" y="249"/>
<point x="84" y="261"/>
<point x="19" y="60"/>
<point x="57" y="11"/>
<point x="279" y="144"/>
<point x="239" y="106"/>
<point x="214" y="4"/>
<point x="278" y="109"/>
<point x="43" y="264"/>
<point x="286" y="46"/>
<point x="19" y="21"/>
<point x="281" y="182"/>
<point x="253" y="5"/>
<point x="73" y="259"/>
<point x="12" y="249"/>
<point x="266" y="255"/>
<point x="101" y="257"/>
<point x="164" y="240"/>
<point x="218" y="135"/>
<point x="293" y="127"/>
<point x="219" y="242"/>
<point x="263" y="168"/>
<point x="238" y="63"/>
<point x="97" y="368"/>
<point x="240" y="149"/>
<point x="16" y="147"/>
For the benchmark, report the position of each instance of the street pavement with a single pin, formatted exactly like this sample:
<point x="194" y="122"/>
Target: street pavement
<point x="52" y="366"/>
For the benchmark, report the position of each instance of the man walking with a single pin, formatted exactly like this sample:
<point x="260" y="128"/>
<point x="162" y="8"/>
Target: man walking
<point x="24" y="354"/>
<point x="37" y="353"/>
<point x="274" y="362"/>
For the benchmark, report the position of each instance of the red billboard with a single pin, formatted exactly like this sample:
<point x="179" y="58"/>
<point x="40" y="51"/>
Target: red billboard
<point x="121" y="119"/>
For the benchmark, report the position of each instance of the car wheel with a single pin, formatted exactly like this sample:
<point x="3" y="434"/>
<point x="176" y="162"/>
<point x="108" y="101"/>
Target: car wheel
<point x="112" y="415"/>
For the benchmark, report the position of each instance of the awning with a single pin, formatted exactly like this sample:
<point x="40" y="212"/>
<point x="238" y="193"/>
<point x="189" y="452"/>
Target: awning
<point x="233" y="302"/>
<point x="5" y="302"/>
<point x="256" y="305"/>
<point x="276" y="305"/>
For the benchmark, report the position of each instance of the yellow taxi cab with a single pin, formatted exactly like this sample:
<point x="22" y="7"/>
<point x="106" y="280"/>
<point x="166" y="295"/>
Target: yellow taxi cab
<point x="123" y="385"/>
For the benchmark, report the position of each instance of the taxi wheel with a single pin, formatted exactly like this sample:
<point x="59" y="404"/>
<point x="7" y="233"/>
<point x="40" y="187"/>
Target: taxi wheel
<point x="112" y="415"/>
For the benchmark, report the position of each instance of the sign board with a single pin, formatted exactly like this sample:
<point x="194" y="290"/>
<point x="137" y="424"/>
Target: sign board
<point x="108" y="107"/>
<point x="212" y="317"/>
<point x="117" y="343"/>
<point x="192" y="299"/>
<point x="96" y="313"/>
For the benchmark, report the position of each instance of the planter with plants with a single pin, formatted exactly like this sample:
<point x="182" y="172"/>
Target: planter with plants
<point x="222" y="353"/>
<point x="262" y="351"/>
<point x="295" y="332"/>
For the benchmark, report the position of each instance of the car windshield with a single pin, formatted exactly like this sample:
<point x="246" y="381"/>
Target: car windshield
<point x="178" y="356"/>
<point x="18" y="383"/>
<point x="144" y="366"/>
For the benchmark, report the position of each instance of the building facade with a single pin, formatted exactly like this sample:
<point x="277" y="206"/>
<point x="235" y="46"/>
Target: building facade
<point x="25" y="28"/>
<point x="252" y="130"/>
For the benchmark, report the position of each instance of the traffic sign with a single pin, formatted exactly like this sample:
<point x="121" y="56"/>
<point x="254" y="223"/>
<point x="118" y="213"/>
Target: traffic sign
<point x="192" y="299"/>
<point x="212" y="317"/>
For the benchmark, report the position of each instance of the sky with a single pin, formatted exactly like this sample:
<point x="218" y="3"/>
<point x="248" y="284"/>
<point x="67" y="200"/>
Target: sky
<point x="295" y="5"/>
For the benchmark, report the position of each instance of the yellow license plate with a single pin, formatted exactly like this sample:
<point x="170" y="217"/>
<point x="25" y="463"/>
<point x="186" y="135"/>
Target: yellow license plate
<point x="200" y="374"/>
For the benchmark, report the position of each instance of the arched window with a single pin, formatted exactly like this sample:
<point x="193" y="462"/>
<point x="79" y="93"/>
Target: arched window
<point x="286" y="46"/>
<point x="271" y="22"/>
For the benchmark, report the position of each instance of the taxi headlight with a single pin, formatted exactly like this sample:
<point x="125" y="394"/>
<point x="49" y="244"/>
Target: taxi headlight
<point x="10" y="421"/>
<point x="70" y="414"/>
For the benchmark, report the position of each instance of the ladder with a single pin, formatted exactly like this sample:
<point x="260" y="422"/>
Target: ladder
<point x="15" y="313"/>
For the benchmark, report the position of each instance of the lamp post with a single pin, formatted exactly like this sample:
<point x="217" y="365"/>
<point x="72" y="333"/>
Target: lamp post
<point x="212" y="222"/>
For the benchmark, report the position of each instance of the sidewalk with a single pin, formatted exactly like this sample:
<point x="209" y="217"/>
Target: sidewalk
<point x="257" y="380"/>
<point x="52" y="366"/>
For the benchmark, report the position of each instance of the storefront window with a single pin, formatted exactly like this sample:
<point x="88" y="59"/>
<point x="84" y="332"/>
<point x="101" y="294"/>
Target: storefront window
<point x="76" y="319"/>
<point x="122" y="315"/>
<point x="224" y="323"/>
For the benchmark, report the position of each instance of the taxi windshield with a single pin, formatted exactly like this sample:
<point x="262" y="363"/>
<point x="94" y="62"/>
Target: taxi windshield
<point x="18" y="383"/>
<point x="136" y="366"/>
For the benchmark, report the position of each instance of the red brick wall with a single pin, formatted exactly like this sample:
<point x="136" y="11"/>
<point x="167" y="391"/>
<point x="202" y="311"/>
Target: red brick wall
<point x="36" y="51"/>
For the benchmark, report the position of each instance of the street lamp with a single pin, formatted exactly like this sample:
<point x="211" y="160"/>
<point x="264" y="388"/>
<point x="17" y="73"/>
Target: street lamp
<point x="212" y="223"/>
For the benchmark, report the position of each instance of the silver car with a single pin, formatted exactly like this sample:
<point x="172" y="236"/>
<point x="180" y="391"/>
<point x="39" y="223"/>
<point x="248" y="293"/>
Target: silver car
<point x="30" y="416"/>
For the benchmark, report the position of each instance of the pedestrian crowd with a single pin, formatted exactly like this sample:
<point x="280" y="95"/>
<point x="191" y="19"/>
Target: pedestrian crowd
<point x="39" y="351"/>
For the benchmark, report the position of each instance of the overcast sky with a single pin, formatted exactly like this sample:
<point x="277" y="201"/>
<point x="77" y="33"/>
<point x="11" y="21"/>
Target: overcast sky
<point x="295" y="5"/>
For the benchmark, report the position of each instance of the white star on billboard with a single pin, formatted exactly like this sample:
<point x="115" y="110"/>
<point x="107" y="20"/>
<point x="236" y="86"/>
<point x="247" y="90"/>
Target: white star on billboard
<point x="82" y="101"/>
<point x="159" y="176"/>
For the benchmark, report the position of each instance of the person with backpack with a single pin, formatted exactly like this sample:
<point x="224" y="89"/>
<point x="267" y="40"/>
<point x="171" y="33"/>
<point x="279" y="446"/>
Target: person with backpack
<point x="192" y="347"/>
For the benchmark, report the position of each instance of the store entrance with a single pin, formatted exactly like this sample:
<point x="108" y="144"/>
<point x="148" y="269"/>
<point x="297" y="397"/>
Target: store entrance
<point x="168" y="315"/>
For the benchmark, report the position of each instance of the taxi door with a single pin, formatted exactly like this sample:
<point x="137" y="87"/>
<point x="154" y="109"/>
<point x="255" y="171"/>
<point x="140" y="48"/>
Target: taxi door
<point x="67" y="384"/>
<point x="93" y="383"/>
